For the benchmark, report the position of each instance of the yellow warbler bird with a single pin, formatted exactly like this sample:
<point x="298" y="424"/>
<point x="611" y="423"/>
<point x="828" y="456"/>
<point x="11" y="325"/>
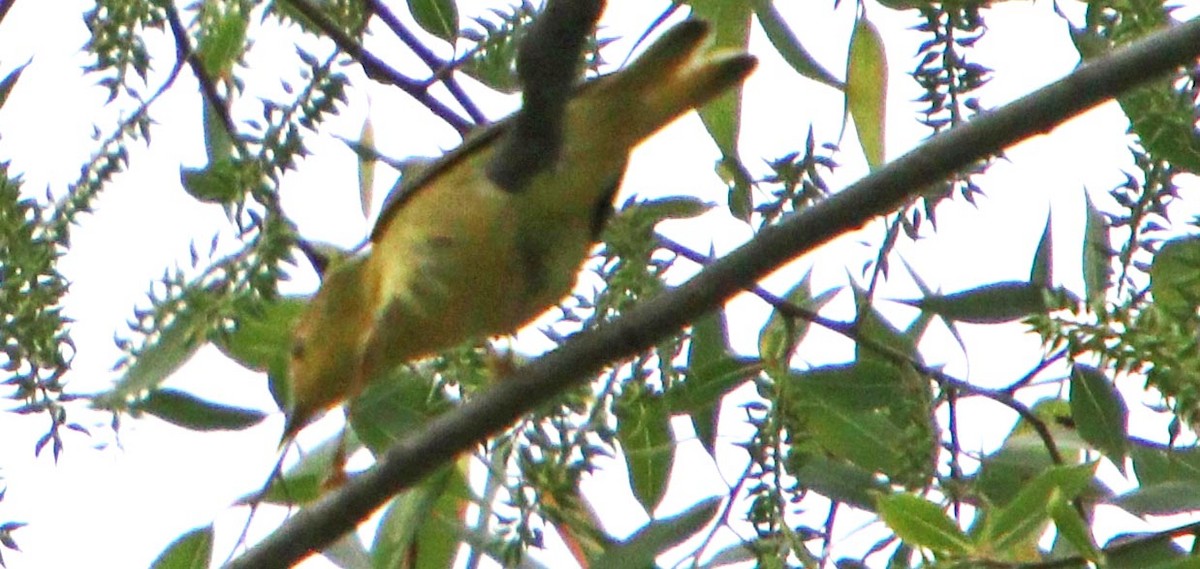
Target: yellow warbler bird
<point x="467" y="250"/>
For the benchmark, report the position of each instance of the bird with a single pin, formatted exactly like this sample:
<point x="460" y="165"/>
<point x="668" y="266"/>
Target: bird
<point x="482" y="241"/>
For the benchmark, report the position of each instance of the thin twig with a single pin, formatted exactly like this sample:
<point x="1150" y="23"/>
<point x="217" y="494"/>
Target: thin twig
<point x="436" y="65"/>
<point x="185" y="52"/>
<point x="376" y="69"/>
<point x="850" y="331"/>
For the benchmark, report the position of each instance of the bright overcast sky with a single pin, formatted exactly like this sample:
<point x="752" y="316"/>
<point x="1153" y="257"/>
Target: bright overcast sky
<point x="119" y="504"/>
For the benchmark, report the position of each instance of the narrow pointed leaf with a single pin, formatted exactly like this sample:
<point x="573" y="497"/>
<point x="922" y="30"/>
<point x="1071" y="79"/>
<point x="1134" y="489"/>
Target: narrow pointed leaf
<point x="222" y="43"/>
<point x="731" y="21"/>
<point x="866" y="90"/>
<point x="192" y="550"/>
<point x="923" y="524"/>
<point x="438" y="17"/>
<point x="262" y="340"/>
<point x="863" y="386"/>
<point x="190" y="412"/>
<point x="841" y="481"/>
<point x="645" y="545"/>
<point x="1097" y="255"/>
<point x="993" y="303"/>
<point x="304" y="481"/>
<point x="420" y="528"/>
<point x="779" y="337"/>
<point x="175" y="344"/>
<point x="789" y="46"/>
<point x="1144" y="551"/>
<point x="1175" y="277"/>
<point x="1072" y="527"/>
<point x="366" y="167"/>
<point x="1162" y="499"/>
<point x="711" y="371"/>
<point x="1100" y="413"/>
<point x="10" y="81"/>
<point x="1042" y="271"/>
<point x="1020" y="523"/>
<point x="866" y="439"/>
<point x="645" y="436"/>
<point x="722" y="116"/>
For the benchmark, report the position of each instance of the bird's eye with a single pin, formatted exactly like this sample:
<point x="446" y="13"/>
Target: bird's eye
<point x="298" y="350"/>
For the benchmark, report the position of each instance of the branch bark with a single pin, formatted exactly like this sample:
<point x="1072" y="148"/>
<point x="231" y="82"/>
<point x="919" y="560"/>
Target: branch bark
<point x="586" y="353"/>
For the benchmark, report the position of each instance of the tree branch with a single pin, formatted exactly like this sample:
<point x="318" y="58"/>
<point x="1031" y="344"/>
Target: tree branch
<point x="583" y="355"/>
<point x="376" y="69"/>
<point x="435" y="64"/>
<point x="208" y="88"/>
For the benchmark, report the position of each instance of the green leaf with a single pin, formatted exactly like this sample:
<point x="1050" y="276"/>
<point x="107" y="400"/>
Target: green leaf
<point x="492" y="60"/>
<point x="711" y="373"/>
<point x="1100" y="413"/>
<point x="789" y="47"/>
<point x="175" y="344"/>
<point x="923" y="524"/>
<point x="304" y="481"/>
<point x="1154" y="462"/>
<point x="645" y="545"/>
<point x="993" y="303"/>
<point x="739" y="554"/>
<point x="438" y="17"/>
<point x="866" y="439"/>
<point x="393" y="406"/>
<point x="1042" y="271"/>
<point x="421" y="527"/>
<point x="192" y="550"/>
<point x="1175" y="277"/>
<point x="1097" y="255"/>
<point x="366" y="167"/>
<point x="1162" y="117"/>
<point x="1023" y="455"/>
<point x="349" y="17"/>
<point x="778" y="339"/>
<point x="10" y="81"/>
<point x="866" y="89"/>
<point x="722" y="116"/>
<point x="1144" y="551"/>
<point x="348" y="551"/>
<point x="262" y="340"/>
<point x="739" y="180"/>
<point x="1072" y="527"/>
<point x="731" y="30"/>
<point x="862" y="386"/>
<point x="222" y="41"/>
<point x="644" y="431"/>
<point x="191" y="412"/>
<point x="221" y="182"/>
<point x="840" y="481"/>
<point x="1023" y="519"/>
<point x="714" y="380"/>
<point x="1164" y="498"/>
<point x="875" y="330"/>
<point x="218" y="141"/>
<point x="672" y="207"/>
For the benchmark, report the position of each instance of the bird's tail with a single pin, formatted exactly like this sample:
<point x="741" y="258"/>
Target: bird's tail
<point x="672" y="76"/>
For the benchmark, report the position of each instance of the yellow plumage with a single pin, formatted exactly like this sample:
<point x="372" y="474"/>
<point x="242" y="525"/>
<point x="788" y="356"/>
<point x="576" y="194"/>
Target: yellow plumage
<point x="455" y="258"/>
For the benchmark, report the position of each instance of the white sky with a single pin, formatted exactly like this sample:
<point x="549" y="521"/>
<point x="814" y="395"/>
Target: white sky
<point x="118" y="506"/>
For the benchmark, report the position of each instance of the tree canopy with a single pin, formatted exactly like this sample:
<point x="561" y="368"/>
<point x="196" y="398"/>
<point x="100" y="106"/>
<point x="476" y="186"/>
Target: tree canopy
<point x="860" y="420"/>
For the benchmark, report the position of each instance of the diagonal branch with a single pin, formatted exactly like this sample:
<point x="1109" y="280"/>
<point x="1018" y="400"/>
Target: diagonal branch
<point x="582" y="356"/>
<point x="377" y="69"/>
<point x="208" y="88"/>
<point x="435" y="65"/>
